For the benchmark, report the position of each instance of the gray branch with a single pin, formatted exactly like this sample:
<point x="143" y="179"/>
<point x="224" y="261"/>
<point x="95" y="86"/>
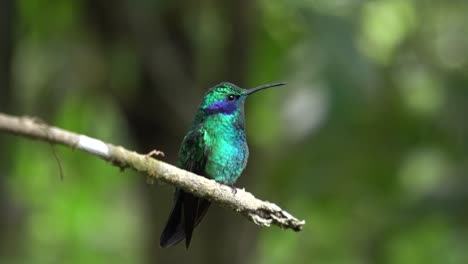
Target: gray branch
<point x="260" y="212"/>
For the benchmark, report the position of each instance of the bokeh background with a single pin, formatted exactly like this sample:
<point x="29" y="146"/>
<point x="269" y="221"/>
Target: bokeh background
<point x="368" y="141"/>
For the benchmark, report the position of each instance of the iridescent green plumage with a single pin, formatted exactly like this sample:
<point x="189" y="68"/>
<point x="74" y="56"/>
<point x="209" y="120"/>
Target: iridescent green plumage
<point x="214" y="147"/>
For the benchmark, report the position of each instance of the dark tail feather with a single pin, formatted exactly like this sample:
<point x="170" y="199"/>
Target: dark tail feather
<point x="186" y="214"/>
<point x="173" y="232"/>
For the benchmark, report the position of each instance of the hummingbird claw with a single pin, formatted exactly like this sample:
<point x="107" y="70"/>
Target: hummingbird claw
<point x="234" y="189"/>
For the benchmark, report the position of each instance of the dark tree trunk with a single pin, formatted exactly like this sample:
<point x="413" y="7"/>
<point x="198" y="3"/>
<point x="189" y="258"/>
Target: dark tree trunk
<point x="9" y="217"/>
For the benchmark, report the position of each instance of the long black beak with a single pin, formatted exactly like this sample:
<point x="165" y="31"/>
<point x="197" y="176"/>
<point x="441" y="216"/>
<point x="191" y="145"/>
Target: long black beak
<point x="256" y="89"/>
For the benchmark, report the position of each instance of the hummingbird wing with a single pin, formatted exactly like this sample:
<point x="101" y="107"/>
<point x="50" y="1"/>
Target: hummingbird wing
<point x="188" y="210"/>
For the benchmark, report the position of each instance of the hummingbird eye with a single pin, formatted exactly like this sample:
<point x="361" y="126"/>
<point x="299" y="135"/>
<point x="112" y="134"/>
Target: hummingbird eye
<point x="231" y="97"/>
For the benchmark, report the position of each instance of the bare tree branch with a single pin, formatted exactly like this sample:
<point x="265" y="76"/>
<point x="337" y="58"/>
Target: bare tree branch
<point x="260" y="212"/>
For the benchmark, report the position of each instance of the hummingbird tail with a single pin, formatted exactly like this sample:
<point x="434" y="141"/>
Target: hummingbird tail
<point x="186" y="214"/>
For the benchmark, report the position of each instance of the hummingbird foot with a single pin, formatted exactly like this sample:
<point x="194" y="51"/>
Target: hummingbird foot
<point x="233" y="188"/>
<point x="231" y="185"/>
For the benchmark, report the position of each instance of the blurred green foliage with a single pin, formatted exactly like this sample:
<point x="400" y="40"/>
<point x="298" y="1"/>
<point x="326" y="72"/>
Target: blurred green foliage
<point x="368" y="142"/>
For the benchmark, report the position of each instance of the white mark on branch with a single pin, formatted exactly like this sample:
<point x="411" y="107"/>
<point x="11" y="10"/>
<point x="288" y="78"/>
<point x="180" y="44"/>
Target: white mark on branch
<point x="93" y="145"/>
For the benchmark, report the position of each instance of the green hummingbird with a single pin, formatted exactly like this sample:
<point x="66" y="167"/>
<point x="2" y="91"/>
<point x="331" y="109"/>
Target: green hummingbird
<point x="214" y="147"/>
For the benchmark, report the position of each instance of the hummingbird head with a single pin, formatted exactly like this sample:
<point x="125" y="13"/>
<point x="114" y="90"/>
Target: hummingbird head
<point x="226" y="98"/>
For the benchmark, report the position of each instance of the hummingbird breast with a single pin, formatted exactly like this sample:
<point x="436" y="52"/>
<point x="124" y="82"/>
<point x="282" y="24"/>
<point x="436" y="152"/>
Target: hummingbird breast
<point x="227" y="151"/>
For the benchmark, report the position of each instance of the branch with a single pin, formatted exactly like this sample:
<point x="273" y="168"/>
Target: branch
<point x="260" y="212"/>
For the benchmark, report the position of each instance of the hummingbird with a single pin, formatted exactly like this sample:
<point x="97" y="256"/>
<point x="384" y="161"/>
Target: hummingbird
<point x="215" y="147"/>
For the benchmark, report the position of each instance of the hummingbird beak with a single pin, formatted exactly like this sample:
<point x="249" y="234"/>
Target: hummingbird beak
<point x="256" y="89"/>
